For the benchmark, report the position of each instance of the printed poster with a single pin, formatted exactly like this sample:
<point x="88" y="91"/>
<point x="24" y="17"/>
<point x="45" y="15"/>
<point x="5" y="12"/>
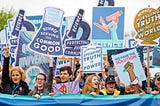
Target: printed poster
<point x="130" y="56"/>
<point x="146" y="24"/>
<point x="91" y="58"/>
<point x="108" y="27"/>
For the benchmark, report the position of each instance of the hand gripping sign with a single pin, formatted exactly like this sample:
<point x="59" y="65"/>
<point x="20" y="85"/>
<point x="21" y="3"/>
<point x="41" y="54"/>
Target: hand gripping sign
<point x="48" y="38"/>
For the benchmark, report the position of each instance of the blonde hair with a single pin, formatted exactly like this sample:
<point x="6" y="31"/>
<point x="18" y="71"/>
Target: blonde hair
<point x="20" y="70"/>
<point x="87" y="89"/>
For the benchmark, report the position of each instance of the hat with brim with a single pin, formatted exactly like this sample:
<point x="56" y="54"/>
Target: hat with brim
<point x="110" y="79"/>
<point x="157" y="75"/>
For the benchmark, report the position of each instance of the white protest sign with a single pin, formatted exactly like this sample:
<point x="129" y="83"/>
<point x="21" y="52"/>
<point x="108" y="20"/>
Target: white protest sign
<point x="120" y="60"/>
<point x="91" y="58"/>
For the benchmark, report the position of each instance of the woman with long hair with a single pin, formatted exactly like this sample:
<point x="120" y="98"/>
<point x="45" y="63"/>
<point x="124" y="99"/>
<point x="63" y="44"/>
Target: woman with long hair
<point x="91" y="85"/>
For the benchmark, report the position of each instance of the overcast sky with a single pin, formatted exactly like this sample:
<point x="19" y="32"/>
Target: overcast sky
<point x="71" y="7"/>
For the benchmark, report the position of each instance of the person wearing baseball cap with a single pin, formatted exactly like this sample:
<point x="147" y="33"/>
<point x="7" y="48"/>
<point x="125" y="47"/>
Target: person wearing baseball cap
<point x="110" y="87"/>
<point x="157" y="82"/>
<point x="157" y="75"/>
<point x="155" y="85"/>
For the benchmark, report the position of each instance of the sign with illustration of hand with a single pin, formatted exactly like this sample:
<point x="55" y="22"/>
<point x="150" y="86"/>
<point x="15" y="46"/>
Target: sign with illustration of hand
<point x="129" y="67"/>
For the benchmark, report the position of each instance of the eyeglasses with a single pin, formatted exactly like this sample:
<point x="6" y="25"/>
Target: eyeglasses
<point x="39" y="79"/>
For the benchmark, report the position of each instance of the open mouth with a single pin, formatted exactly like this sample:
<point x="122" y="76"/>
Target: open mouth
<point x="15" y="80"/>
<point x="95" y="85"/>
<point x="111" y="87"/>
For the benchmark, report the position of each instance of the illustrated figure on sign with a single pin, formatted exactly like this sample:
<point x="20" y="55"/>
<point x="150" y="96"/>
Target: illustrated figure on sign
<point x="112" y="26"/>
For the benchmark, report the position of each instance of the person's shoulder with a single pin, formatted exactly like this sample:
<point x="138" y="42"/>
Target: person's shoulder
<point x="24" y="83"/>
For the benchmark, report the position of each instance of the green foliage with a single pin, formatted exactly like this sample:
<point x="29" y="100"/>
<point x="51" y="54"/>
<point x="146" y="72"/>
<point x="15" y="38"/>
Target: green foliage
<point x="4" y="16"/>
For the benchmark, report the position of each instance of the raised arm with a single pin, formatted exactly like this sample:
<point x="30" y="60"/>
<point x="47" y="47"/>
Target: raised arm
<point x="5" y="71"/>
<point x="50" y="74"/>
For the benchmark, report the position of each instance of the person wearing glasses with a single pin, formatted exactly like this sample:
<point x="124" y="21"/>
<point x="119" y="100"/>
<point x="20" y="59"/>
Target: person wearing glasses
<point x="43" y="85"/>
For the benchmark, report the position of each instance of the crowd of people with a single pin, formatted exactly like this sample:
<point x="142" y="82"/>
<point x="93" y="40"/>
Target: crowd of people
<point x="13" y="81"/>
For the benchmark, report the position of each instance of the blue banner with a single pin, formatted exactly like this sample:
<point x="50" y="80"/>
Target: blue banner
<point x="79" y="99"/>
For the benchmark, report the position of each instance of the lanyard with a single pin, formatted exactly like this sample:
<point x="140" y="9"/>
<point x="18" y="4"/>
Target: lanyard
<point x="14" y="89"/>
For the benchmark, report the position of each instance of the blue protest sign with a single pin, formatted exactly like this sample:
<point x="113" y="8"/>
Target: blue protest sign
<point x="48" y="38"/>
<point x="77" y="34"/>
<point x="108" y="27"/>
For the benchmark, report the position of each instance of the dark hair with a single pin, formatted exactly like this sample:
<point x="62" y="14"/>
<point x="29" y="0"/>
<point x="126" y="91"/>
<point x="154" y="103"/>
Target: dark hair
<point x="68" y="68"/>
<point x="57" y="79"/>
<point x="106" y="69"/>
<point x="42" y="75"/>
<point x="77" y="65"/>
<point x="75" y="72"/>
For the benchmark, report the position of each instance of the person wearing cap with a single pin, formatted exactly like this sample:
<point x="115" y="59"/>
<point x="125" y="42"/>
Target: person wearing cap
<point x="110" y="87"/>
<point x="155" y="85"/>
<point x="157" y="78"/>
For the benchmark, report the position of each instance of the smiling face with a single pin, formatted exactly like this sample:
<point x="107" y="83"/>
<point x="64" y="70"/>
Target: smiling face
<point x="64" y="76"/>
<point x="94" y="82"/>
<point x="40" y="81"/>
<point x="16" y="77"/>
